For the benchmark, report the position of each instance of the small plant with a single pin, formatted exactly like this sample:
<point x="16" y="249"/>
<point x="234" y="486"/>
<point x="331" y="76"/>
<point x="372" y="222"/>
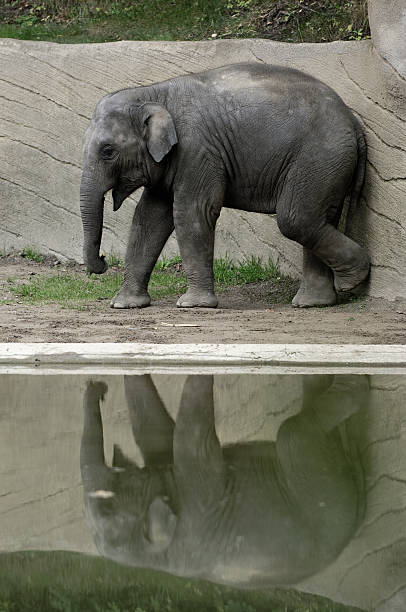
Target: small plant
<point x="115" y="261"/>
<point x="228" y="273"/>
<point x="164" y="263"/>
<point x="29" y="253"/>
<point x="239" y="4"/>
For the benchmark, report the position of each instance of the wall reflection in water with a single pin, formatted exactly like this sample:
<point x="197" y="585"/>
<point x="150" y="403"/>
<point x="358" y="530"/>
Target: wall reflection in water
<point x="253" y="481"/>
<point x="250" y="514"/>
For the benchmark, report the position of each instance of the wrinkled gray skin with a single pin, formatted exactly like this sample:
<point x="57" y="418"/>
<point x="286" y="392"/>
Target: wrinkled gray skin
<point x="253" y="137"/>
<point x="251" y="514"/>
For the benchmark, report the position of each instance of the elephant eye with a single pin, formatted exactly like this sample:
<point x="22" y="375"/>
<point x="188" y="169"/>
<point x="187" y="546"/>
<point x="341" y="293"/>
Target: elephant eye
<point x="107" y="152"/>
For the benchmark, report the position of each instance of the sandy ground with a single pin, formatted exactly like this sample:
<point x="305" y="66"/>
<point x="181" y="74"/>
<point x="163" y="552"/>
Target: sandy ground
<point x="248" y="314"/>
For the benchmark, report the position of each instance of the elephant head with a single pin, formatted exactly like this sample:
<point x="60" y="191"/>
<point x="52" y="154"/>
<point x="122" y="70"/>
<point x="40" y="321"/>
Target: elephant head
<point x="123" y="149"/>
<point x="130" y="510"/>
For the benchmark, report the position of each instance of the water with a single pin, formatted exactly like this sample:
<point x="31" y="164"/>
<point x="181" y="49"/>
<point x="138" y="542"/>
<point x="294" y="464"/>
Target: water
<point x="231" y="493"/>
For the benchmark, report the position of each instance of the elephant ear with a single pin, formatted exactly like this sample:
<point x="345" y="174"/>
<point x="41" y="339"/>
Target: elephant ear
<point x="160" y="133"/>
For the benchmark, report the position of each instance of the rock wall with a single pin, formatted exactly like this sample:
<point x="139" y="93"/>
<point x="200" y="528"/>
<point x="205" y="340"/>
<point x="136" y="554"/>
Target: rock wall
<point x="49" y="91"/>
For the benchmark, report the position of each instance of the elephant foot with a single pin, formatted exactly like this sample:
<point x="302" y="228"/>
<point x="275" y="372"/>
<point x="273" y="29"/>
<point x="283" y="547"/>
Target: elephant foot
<point x="96" y="389"/>
<point x="127" y="299"/>
<point x="309" y="296"/>
<point x="349" y="279"/>
<point x="197" y="299"/>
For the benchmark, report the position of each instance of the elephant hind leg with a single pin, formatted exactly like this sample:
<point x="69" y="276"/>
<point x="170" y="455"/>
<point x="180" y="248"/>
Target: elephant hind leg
<point x="307" y="213"/>
<point x="317" y="286"/>
<point x="349" y="262"/>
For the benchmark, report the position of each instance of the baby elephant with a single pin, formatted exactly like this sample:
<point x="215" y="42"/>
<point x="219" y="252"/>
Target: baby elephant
<point x="254" y="137"/>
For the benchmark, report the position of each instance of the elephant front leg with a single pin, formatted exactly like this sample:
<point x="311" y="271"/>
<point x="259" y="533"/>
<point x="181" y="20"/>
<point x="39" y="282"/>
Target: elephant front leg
<point x="151" y="424"/>
<point x="317" y="286"/>
<point x="200" y="470"/>
<point x="151" y="227"/>
<point x="194" y="226"/>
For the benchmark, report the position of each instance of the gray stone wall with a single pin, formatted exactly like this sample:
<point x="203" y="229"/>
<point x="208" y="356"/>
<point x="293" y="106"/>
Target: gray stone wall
<point x="48" y="92"/>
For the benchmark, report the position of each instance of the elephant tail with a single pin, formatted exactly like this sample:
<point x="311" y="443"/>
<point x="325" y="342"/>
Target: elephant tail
<point x="359" y="175"/>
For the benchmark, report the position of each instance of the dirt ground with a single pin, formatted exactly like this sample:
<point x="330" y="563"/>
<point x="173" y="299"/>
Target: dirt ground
<point x="245" y="314"/>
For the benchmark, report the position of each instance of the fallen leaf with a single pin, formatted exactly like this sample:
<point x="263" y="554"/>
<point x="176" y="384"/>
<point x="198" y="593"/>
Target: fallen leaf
<point x="180" y="324"/>
<point x="101" y="494"/>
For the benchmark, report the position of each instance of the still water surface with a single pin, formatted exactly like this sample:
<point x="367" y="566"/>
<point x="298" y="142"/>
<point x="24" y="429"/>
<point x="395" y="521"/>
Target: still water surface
<point x="231" y="493"/>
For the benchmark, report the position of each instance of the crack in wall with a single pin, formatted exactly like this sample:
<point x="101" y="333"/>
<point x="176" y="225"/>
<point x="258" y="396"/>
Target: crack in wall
<point x="9" y="231"/>
<point x="376" y="519"/>
<point x="391" y="66"/>
<point x="26" y="144"/>
<point x="371" y="129"/>
<point x="34" y="108"/>
<point x="36" y="501"/>
<point x="386" y="180"/>
<point x="358" y="86"/>
<point x="42" y="61"/>
<point x="36" y="93"/>
<point x="385" y="477"/>
<point x="369" y="554"/>
<point x="380" y="214"/>
<point x="256" y="56"/>
<point x="380" y="441"/>
<point x="31" y="127"/>
<point x="41" y="197"/>
<point x="270" y="245"/>
<point x="399" y="589"/>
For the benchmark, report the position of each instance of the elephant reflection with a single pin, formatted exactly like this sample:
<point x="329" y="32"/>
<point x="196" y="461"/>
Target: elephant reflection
<point x="250" y="514"/>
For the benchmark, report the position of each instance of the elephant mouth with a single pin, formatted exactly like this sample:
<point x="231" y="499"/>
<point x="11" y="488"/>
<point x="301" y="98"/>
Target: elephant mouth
<point x="122" y="192"/>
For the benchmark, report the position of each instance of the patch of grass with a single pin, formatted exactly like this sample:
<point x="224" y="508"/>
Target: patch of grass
<point x="114" y="261"/>
<point x="164" y="263"/>
<point x="29" y="253"/>
<point x="227" y="273"/>
<point x="311" y="20"/>
<point x="90" y="21"/>
<point x="168" y="278"/>
<point x="72" y="582"/>
<point x="79" y="21"/>
<point x="66" y="287"/>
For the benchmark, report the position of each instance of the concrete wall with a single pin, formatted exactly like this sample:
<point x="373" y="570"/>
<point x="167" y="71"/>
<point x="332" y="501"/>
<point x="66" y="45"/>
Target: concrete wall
<point x="48" y="93"/>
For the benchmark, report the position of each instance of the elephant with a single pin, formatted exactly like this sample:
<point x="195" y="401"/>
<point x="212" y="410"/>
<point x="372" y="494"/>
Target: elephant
<point x="250" y="514"/>
<point x="254" y="137"/>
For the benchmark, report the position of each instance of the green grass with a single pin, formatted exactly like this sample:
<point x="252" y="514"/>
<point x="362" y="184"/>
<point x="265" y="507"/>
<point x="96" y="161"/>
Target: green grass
<point x="70" y="288"/>
<point x="91" y="21"/>
<point x="79" y="21"/>
<point x="72" y="582"/>
<point x="114" y="261"/>
<point x="29" y="253"/>
<point x="227" y="273"/>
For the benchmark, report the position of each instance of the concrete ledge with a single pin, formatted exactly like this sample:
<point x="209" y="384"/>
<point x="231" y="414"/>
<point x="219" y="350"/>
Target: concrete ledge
<point x="117" y="358"/>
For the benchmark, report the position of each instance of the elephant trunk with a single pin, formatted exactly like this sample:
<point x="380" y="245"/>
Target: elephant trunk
<point x="95" y="474"/>
<point x="91" y="210"/>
